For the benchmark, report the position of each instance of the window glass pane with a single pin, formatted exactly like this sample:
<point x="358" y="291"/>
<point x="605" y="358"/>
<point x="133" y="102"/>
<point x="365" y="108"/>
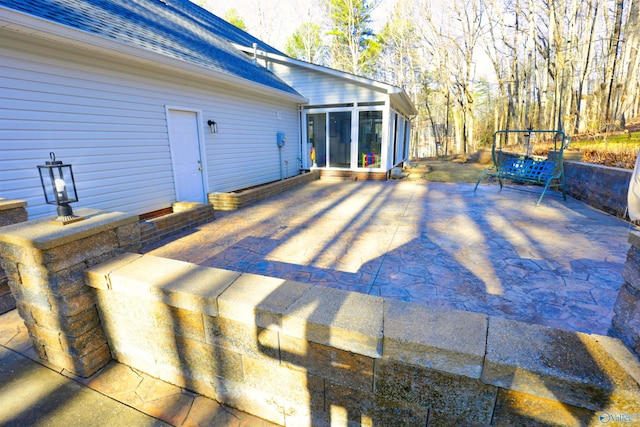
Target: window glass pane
<point x="395" y="138"/>
<point x="317" y="138"/>
<point x="407" y="140"/>
<point x="400" y="144"/>
<point x="369" y="139"/>
<point x="340" y="139"/>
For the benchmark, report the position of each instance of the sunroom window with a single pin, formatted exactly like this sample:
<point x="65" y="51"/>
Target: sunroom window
<point x="369" y="139"/>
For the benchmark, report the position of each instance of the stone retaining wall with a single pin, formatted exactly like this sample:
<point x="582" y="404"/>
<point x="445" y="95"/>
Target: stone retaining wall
<point x="602" y="187"/>
<point x="626" y="321"/>
<point x="186" y="215"/>
<point x="232" y="201"/>
<point x="301" y="355"/>
<point x="11" y="212"/>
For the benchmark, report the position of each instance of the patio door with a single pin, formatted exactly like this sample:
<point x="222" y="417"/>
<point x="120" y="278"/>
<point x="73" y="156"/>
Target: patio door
<point x="317" y="139"/>
<point x="339" y="139"/>
<point x="186" y="159"/>
<point x="332" y="148"/>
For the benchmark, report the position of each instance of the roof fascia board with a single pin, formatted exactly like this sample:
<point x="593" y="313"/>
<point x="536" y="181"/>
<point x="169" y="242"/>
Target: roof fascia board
<point x="389" y="89"/>
<point x="405" y="102"/>
<point x="34" y="26"/>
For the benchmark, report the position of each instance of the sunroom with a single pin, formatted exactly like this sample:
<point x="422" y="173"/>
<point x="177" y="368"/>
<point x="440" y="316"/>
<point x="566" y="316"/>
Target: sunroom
<point x="351" y="126"/>
<point x="354" y="137"/>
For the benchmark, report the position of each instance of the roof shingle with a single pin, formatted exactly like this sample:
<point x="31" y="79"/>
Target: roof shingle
<point x="177" y="29"/>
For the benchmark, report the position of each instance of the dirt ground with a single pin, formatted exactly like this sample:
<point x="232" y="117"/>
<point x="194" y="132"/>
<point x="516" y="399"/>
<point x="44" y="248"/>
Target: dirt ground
<point x="447" y="170"/>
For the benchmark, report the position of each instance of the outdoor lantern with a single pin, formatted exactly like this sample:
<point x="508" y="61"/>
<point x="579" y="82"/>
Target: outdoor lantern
<point x="59" y="188"/>
<point x="213" y="126"/>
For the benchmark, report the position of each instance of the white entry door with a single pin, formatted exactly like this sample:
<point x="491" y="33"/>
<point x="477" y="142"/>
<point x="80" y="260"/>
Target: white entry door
<point x="184" y="139"/>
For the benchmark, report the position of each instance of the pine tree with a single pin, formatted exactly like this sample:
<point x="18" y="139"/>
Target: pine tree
<point x="354" y="46"/>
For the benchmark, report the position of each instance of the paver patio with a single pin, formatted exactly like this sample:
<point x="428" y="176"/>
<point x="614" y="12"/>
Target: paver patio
<point x="493" y="252"/>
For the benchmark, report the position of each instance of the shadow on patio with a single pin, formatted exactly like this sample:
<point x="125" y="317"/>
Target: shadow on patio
<point x="494" y="253"/>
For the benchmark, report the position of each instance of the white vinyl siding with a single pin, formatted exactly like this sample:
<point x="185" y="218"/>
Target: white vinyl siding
<point x="107" y="118"/>
<point x="325" y="89"/>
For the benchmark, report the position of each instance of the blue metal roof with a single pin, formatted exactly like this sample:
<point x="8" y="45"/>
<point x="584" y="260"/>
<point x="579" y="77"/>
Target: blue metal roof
<point x="177" y="29"/>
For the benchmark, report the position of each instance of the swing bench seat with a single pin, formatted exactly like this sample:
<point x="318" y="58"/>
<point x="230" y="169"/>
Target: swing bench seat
<point x="526" y="169"/>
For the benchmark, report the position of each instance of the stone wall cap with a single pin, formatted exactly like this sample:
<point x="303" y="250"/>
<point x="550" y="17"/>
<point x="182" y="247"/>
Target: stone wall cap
<point x="6" y="204"/>
<point x="42" y="234"/>
<point x="260" y="300"/>
<point x="621" y="354"/>
<point x="435" y="337"/>
<point x="98" y="275"/>
<point x="349" y="321"/>
<point x="570" y="367"/>
<point x="187" y="206"/>
<point x="597" y="166"/>
<point x="179" y="284"/>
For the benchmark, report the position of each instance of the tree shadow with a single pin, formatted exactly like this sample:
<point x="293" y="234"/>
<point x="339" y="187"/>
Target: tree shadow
<point x="468" y="253"/>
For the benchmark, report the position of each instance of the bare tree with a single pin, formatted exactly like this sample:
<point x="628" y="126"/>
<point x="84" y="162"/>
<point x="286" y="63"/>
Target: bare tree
<point x="612" y="61"/>
<point x="466" y="17"/>
<point x="306" y="44"/>
<point x="587" y="48"/>
<point x="630" y="100"/>
<point x="402" y="64"/>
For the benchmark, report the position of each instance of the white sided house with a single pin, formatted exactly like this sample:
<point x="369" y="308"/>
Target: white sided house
<point x="152" y="102"/>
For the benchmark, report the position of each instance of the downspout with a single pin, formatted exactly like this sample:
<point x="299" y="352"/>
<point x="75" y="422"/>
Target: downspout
<point x="300" y="150"/>
<point x="280" y="155"/>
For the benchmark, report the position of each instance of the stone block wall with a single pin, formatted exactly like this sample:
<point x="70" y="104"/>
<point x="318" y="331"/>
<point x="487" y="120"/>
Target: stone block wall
<point x="602" y="187"/>
<point x="186" y="215"/>
<point x="11" y="212"/>
<point x="626" y="321"/>
<point x="237" y="200"/>
<point x="302" y="355"/>
<point x="44" y="262"/>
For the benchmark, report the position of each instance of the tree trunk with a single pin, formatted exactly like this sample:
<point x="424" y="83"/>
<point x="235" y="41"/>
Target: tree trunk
<point x="631" y="84"/>
<point x="579" y="127"/>
<point x="613" y="59"/>
<point x="436" y="134"/>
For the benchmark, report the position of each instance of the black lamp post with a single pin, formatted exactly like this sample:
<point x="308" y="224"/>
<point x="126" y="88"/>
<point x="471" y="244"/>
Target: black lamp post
<point x="59" y="188"/>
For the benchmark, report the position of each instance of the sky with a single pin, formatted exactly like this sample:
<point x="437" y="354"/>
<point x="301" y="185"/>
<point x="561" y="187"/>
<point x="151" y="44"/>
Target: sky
<point x="273" y="21"/>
